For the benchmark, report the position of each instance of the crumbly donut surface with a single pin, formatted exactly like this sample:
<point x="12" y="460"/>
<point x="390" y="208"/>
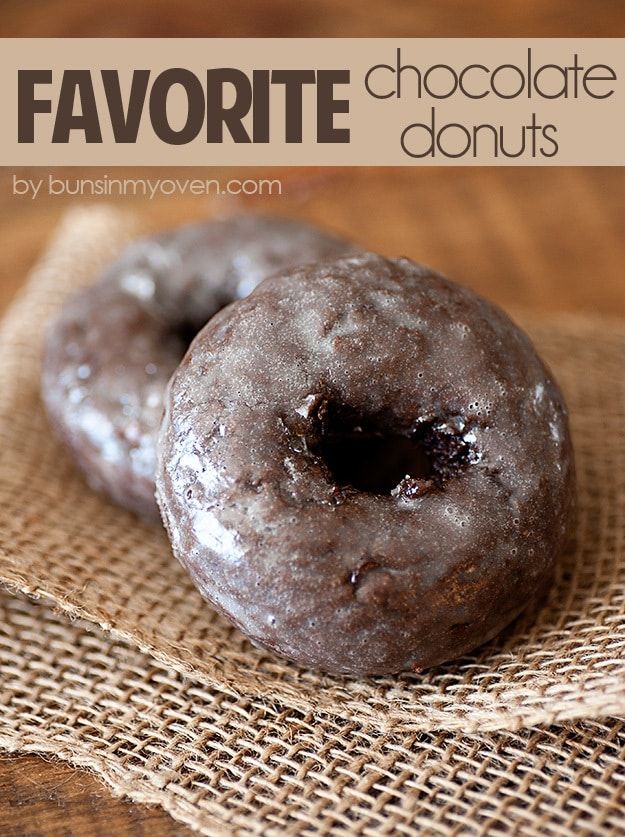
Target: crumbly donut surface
<point x="393" y="573"/>
<point x="111" y="351"/>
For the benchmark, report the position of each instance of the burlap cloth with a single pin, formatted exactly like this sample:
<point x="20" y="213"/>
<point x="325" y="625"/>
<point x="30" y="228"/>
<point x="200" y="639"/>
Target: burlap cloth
<point x="171" y="705"/>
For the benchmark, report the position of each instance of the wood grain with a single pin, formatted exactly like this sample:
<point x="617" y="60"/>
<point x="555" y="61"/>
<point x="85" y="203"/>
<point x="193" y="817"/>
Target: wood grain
<point x="552" y="238"/>
<point x="311" y="18"/>
<point x="48" y="798"/>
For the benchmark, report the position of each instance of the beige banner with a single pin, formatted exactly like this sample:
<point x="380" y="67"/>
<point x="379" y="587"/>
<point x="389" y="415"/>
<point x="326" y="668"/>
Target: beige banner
<point x="332" y="101"/>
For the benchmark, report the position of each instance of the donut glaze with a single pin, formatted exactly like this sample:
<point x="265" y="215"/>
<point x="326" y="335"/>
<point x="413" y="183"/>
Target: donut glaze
<point x="110" y="353"/>
<point x="365" y="467"/>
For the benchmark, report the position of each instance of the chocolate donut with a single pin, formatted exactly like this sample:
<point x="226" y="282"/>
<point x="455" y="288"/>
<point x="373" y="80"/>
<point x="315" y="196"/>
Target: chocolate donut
<point x="365" y="467"/>
<point x="112" y="349"/>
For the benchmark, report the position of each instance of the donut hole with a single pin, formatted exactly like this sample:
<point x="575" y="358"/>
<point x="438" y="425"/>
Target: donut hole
<point x="374" y="462"/>
<point x="367" y="454"/>
<point x="185" y="332"/>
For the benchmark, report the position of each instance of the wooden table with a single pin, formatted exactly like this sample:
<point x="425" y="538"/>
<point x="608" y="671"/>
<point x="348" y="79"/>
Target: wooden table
<point x="551" y="238"/>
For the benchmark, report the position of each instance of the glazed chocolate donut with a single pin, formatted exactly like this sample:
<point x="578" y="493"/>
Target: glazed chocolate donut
<point x="366" y="467"/>
<point x="111" y="351"/>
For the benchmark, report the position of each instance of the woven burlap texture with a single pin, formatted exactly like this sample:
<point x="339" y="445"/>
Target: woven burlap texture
<point x="228" y="764"/>
<point x="59" y="540"/>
